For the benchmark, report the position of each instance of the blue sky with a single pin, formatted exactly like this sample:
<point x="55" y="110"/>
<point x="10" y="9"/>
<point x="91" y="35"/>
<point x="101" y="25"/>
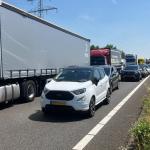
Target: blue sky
<point x="124" y="23"/>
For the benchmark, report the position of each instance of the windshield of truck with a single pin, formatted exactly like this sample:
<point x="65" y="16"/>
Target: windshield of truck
<point x="107" y="71"/>
<point x="74" y="75"/>
<point x="135" y="67"/>
<point x="130" y="60"/>
<point x="98" y="60"/>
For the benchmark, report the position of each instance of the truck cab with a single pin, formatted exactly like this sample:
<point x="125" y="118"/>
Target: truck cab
<point x="131" y="59"/>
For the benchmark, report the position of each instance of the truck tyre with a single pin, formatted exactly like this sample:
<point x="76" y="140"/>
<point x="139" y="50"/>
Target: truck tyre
<point x="28" y="90"/>
<point x="91" y="111"/>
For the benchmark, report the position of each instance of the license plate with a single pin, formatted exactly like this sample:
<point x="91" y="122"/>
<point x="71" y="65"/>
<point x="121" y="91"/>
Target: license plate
<point x="60" y="103"/>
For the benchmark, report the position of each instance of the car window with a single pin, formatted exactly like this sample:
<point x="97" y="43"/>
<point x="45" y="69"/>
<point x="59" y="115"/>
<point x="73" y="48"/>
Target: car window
<point x="97" y="74"/>
<point x="102" y="73"/>
<point x="74" y="75"/>
<point x="115" y="70"/>
<point x="107" y="70"/>
<point x="112" y="70"/>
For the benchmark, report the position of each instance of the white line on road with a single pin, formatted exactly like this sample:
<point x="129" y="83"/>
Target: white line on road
<point x="87" y="138"/>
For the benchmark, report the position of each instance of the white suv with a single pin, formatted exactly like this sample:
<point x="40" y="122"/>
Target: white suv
<point x="78" y="88"/>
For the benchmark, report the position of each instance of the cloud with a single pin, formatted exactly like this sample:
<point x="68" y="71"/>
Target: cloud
<point x="86" y="18"/>
<point x="114" y="2"/>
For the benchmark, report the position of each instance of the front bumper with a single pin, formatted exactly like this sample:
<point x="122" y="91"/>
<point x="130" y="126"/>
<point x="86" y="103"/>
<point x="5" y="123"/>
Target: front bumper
<point x="78" y="103"/>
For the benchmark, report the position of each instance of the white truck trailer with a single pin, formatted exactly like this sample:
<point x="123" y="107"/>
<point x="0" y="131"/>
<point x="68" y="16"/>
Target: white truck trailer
<point x="32" y="50"/>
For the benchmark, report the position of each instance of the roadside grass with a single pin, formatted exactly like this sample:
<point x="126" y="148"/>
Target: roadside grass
<point x="140" y="131"/>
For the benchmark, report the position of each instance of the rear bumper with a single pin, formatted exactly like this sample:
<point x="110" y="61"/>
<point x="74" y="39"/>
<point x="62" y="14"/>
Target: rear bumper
<point x="130" y="76"/>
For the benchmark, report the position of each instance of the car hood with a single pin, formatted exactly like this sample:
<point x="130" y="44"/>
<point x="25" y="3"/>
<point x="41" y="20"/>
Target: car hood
<point x="67" y="86"/>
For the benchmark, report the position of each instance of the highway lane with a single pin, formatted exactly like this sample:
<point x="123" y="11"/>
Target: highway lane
<point x="23" y="126"/>
<point x="116" y="133"/>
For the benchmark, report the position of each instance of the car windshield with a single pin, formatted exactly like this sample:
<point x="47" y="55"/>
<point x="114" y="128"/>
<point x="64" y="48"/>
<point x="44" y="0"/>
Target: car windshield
<point x="74" y="75"/>
<point x="131" y="68"/>
<point x="148" y="65"/>
<point x="144" y="65"/>
<point x="107" y="71"/>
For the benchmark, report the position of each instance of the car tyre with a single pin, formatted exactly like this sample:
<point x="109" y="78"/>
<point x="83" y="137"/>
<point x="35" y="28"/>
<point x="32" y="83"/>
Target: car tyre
<point x="111" y="88"/>
<point x="138" y="79"/>
<point x="117" y="85"/>
<point x="122" y="79"/>
<point x="108" y="96"/>
<point x="92" y="108"/>
<point x="45" y="112"/>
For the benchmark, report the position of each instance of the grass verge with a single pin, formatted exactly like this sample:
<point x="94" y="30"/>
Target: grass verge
<point x="140" y="131"/>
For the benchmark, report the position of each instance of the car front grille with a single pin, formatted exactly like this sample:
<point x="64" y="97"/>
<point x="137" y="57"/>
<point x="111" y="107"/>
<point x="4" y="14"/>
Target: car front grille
<point x="59" y="95"/>
<point x="129" y="73"/>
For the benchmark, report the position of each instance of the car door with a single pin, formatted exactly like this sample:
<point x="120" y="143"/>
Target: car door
<point x="104" y="80"/>
<point x="98" y="86"/>
<point x="115" y="76"/>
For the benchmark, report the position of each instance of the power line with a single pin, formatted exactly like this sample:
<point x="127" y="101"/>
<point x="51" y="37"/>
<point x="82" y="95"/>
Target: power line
<point x="41" y="8"/>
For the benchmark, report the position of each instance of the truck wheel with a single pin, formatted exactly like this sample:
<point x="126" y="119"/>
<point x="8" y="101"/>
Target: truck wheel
<point x="91" y="111"/>
<point x="28" y="90"/>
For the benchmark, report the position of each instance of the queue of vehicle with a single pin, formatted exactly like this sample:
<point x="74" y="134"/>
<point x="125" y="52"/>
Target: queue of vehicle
<point x="90" y="81"/>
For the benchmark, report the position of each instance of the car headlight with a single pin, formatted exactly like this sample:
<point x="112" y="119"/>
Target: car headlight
<point x="80" y="91"/>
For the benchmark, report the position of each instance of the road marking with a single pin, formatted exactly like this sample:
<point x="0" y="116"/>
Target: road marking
<point x="86" y="139"/>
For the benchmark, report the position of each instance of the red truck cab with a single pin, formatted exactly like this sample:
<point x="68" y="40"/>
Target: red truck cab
<point x="100" y="56"/>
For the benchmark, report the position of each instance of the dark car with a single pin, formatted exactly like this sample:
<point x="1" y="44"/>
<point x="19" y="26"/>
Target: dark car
<point x="146" y="67"/>
<point x="144" y="71"/>
<point x="113" y="75"/>
<point x="131" y="72"/>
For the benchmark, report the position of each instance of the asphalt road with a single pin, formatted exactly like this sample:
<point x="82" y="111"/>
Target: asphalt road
<point x="24" y="127"/>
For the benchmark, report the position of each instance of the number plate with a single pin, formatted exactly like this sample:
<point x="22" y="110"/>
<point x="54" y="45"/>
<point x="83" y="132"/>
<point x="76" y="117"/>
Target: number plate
<point x="60" y="103"/>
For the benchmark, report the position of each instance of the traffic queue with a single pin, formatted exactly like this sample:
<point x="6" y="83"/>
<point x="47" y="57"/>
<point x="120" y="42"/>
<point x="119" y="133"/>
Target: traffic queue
<point x="81" y="89"/>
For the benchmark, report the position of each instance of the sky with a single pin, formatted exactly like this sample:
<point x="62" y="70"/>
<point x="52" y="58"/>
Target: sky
<point x="123" y="23"/>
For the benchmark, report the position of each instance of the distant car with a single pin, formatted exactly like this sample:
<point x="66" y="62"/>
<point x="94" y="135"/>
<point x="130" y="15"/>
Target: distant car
<point x="145" y="66"/>
<point x="113" y="75"/>
<point x="131" y="72"/>
<point x="77" y="88"/>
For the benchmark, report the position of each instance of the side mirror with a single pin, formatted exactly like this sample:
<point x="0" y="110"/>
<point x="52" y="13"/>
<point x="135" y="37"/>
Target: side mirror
<point x="95" y="81"/>
<point x="113" y="74"/>
<point x="49" y="80"/>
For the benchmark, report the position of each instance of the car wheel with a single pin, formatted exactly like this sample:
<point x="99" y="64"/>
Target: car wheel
<point x="45" y="112"/>
<point x="138" y="79"/>
<point x="111" y="88"/>
<point x="122" y="79"/>
<point x="91" y="111"/>
<point x="107" y="99"/>
<point x="117" y="87"/>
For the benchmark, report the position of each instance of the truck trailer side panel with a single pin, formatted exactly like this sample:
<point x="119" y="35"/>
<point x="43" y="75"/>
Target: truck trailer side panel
<point x="30" y="44"/>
